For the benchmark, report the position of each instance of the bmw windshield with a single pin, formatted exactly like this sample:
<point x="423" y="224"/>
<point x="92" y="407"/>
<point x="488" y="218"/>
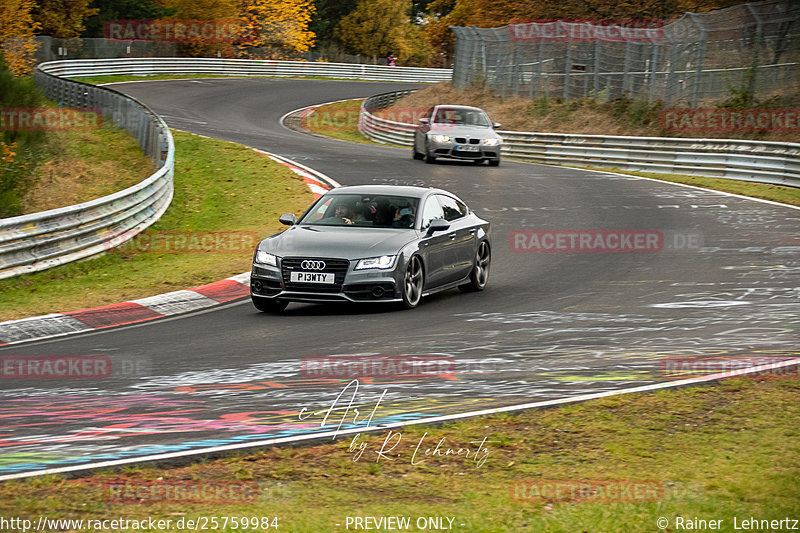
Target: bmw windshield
<point x="461" y="117"/>
<point x="361" y="210"/>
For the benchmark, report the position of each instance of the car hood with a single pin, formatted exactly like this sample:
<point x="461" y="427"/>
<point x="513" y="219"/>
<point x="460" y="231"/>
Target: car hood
<point x="337" y="241"/>
<point x="463" y="131"/>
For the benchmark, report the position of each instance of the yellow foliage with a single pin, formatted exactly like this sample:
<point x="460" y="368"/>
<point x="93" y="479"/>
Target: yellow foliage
<point x="279" y="22"/>
<point x="64" y="18"/>
<point x="17" y="44"/>
<point x="8" y="151"/>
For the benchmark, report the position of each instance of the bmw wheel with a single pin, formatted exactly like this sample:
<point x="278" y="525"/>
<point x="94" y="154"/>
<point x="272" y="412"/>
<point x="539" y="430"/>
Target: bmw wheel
<point x="479" y="276"/>
<point x="268" y="305"/>
<point x="427" y="155"/>
<point x="416" y="155"/>
<point x="413" y="283"/>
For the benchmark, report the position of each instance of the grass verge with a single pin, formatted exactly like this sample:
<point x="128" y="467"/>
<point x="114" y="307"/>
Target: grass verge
<point x="765" y="191"/>
<point x="79" y="168"/>
<point x="340" y="121"/>
<point x="220" y="188"/>
<point x="719" y="452"/>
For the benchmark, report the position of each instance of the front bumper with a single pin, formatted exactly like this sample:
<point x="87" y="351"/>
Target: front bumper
<point x="349" y="286"/>
<point x="465" y="151"/>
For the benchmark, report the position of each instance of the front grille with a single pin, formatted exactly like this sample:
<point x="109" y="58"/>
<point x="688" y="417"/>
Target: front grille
<point x="464" y="140"/>
<point x="336" y="266"/>
<point x="457" y="153"/>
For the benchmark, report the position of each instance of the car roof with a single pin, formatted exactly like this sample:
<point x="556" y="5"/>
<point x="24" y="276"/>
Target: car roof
<point x="395" y="190"/>
<point x="471" y="108"/>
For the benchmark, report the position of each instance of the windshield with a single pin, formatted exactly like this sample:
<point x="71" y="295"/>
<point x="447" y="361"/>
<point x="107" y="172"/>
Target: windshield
<point x="461" y="117"/>
<point x="363" y="210"/>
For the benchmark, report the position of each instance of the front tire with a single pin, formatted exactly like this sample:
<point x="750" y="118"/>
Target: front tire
<point x="416" y="155"/>
<point x="479" y="276"/>
<point x="413" y="282"/>
<point x="494" y="162"/>
<point x="268" y="305"/>
<point x="428" y="157"/>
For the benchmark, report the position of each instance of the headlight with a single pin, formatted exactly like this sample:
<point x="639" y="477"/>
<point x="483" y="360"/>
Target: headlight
<point x="441" y="138"/>
<point x="383" y="262"/>
<point x="264" y="258"/>
<point x="491" y="142"/>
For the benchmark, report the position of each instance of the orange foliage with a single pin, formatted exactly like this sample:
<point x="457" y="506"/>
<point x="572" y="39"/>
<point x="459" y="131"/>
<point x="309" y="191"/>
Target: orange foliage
<point x="279" y="22"/>
<point x="17" y="44"/>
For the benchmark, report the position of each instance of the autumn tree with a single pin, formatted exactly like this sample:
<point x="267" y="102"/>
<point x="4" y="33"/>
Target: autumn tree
<point x="327" y="15"/>
<point x="281" y="23"/>
<point x="17" y="27"/>
<point x="202" y="9"/>
<point x="378" y="27"/>
<point x="122" y="10"/>
<point x="63" y="19"/>
<point x="219" y="13"/>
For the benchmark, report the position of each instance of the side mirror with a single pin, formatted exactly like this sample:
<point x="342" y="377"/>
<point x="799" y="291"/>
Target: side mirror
<point x="424" y="121"/>
<point x="496" y="125"/>
<point x="288" y="219"/>
<point x="438" y="224"/>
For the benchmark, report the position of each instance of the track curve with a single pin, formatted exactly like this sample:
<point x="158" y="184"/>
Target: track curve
<point x="549" y="326"/>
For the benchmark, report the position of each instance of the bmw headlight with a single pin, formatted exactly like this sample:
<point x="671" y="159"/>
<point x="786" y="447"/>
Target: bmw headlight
<point x="383" y="262"/>
<point x="441" y="138"/>
<point x="491" y="142"/>
<point x="264" y="258"/>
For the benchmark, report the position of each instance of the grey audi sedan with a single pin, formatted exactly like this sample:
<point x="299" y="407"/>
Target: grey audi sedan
<point x="372" y="243"/>
<point x="457" y="132"/>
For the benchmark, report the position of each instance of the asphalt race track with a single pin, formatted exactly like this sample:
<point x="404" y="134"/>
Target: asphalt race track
<point x="722" y="283"/>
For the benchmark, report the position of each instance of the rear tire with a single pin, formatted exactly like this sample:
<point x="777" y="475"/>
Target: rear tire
<point x="268" y="305"/>
<point x="479" y="276"/>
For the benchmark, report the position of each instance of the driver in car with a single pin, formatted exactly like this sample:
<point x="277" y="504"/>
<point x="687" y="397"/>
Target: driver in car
<point x="403" y="217"/>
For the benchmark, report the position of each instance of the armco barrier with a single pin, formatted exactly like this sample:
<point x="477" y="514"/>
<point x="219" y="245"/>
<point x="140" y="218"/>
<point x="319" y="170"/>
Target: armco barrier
<point x="142" y="66"/>
<point x="766" y="162"/>
<point x="38" y="241"/>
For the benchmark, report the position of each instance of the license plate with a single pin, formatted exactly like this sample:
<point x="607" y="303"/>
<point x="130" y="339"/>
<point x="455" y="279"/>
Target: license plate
<point x="467" y="148"/>
<point x="312" y="277"/>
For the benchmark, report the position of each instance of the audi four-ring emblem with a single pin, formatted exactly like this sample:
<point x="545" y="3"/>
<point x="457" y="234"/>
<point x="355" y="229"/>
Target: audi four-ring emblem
<point x="312" y="265"/>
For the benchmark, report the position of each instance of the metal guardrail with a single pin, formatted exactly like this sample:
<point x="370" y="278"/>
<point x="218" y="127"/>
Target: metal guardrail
<point x="765" y="162"/>
<point x="38" y="241"/>
<point x="141" y="66"/>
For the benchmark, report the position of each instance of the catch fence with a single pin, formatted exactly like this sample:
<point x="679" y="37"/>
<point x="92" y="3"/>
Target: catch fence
<point x="735" y="54"/>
